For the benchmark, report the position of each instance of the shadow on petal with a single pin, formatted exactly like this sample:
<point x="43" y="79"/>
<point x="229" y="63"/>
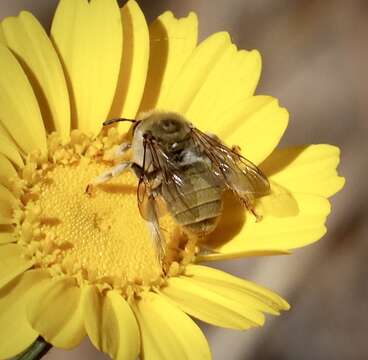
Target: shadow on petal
<point x="231" y="222"/>
<point x="272" y="165"/>
<point x="279" y="204"/>
<point x="159" y="52"/>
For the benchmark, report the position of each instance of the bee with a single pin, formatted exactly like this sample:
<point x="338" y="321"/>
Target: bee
<point x="188" y="169"/>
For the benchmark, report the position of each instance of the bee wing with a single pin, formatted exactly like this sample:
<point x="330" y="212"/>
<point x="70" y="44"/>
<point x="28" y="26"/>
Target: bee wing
<point x="248" y="178"/>
<point x="147" y="204"/>
<point x="239" y="174"/>
<point x="172" y="177"/>
<point x="143" y="193"/>
<point x="151" y="212"/>
<point x="172" y="180"/>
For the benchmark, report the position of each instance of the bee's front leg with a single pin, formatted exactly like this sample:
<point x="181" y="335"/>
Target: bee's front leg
<point x="122" y="149"/>
<point x="138" y="170"/>
<point x="107" y="175"/>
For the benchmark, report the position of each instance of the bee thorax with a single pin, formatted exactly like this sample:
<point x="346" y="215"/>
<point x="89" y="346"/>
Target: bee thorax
<point x="190" y="156"/>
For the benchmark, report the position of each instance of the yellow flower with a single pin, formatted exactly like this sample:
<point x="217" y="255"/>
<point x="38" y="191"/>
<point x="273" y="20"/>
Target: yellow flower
<point x="73" y="265"/>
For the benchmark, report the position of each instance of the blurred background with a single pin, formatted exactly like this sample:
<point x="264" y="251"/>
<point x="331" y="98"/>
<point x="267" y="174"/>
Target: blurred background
<point x="315" y="59"/>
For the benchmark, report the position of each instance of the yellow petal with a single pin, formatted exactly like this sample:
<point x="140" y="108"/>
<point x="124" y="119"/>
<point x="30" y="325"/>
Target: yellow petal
<point x="7" y="237"/>
<point x="208" y="95"/>
<point x="19" y="111"/>
<point x="280" y="230"/>
<point x="110" y="324"/>
<point x="2" y="36"/>
<point x="7" y="171"/>
<point x="7" y="205"/>
<point x="56" y="313"/>
<point x="172" y="41"/>
<point x="241" y="80"/>
<point x="12" y="263"/>
<point x="226" y="86"/>
<point x="8" y="148"/>
<point x="88" y="37"/>
<point x="134" y="63"/>
<point x="167" y="332"/>
<point x="195" y="72"/>
<point x="306" y="169"/>
<point x="15" y="332"/>
<point x="28" y="40"/>
<point x="255" y="124"/>
<point x="213" y="276"/>
<point x="222" y="299"/>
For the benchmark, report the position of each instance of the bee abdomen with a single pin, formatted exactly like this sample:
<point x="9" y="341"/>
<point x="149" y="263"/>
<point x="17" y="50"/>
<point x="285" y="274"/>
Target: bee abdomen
<point x="201" y="219"/>
<point x="197" y="203"/>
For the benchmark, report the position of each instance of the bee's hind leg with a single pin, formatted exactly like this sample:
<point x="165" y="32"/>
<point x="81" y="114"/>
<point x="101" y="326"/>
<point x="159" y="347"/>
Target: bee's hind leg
<point x="250" y="207"/>
<point x="257" y="216"/>
<point x="107" y="175"/>
<point x="236" y="149"/>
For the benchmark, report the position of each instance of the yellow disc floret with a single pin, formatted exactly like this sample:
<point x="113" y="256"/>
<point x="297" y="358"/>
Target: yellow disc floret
<point x="99" y="238"/>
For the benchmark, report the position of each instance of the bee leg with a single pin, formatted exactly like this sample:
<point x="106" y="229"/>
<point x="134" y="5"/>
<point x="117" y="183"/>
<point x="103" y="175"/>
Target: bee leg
<point x="138" y="170"/>
<point x="122" y="149"/>
<point x="249" y="206"/>
<point x="107" y="175"/>
<point x="257" y="216"/>
<point x="236" y="149"/>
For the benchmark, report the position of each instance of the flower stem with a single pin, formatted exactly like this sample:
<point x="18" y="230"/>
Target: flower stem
<point x="35" y="352"/>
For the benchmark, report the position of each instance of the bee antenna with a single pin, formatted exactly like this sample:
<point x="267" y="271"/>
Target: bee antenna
<point x="113" y="121"/>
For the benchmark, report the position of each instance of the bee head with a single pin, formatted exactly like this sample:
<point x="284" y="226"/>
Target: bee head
<point x="171" y="131"/>
<point x="165" y="128"/>
<point x="170" y="126"/>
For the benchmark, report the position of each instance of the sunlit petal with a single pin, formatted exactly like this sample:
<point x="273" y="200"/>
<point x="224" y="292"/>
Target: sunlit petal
<point x="222" y="299"/>
<point x="88" y="38"/>
<point x="7" y="237"/>
<point x="289" y="221"/>
<point x="195" y="72"/>
<point x="231" y="80"/>
<point x="19" y="110"/>
<point x="7" y="172"/>
<point x="12" y="262"/>
<point x="9" y="149"/>
<point x="27" y="39"/>
<point x="15" y="331"/>
<point x="293" y="168"/>
<point x="134" y="63"/>
<point x="255" y="124"/>
<point x="165" y="339"/>
<point x="172" y="41"/>
<point x="111" y="325"/>
<point x="8" y="203"/>
<point x="56" y="313"/>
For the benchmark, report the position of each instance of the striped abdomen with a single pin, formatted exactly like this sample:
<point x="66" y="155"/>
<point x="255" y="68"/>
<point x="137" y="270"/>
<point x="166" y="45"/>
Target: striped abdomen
<point x="197" y="203"/>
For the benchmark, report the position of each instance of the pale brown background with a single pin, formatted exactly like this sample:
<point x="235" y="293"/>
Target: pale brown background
<point x="315" y="58"/>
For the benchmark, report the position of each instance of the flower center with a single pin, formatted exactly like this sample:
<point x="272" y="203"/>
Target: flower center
<point x="99" y="238"/>
<point x="104" y="233"/>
